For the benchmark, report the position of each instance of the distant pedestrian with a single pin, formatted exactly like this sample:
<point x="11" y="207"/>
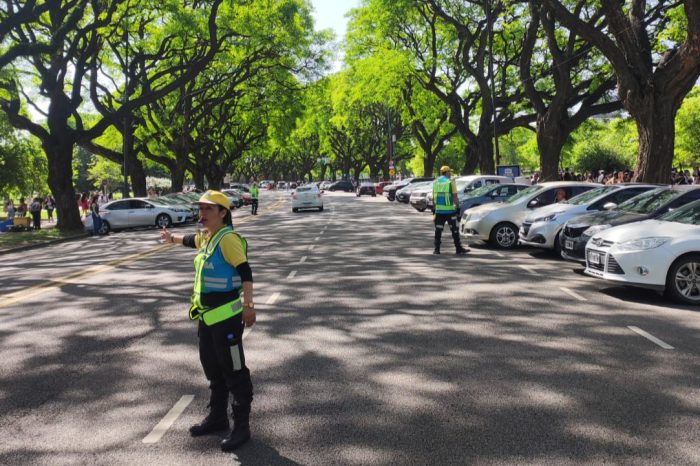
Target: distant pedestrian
<point x="95" y="213"/>
<point x="254" y="194"/>
<point x="10" y="209"/>
<point x="50" y="204"/>
<point x="35" y="209"/>
<point x="21" y="208"/>
<point x="446" y="209"/>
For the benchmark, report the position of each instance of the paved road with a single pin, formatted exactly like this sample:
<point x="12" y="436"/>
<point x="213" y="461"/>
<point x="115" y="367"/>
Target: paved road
<point x="368" y="350"/>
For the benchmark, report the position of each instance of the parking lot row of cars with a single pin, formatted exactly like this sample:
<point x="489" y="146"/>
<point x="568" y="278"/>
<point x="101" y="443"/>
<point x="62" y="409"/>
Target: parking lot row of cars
<point x="636" y="234"/>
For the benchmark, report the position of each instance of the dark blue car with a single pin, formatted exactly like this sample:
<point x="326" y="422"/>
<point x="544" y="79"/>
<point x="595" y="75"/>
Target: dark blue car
<point x="489" y="193"/>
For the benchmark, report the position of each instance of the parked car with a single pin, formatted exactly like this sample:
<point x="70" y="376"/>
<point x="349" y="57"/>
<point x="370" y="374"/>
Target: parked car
<point x="342" y="185"/>
<point x="403" y="195"/>
<point x="325" y="185"/>
<point x="391" y="189"/>
<point x="282" y="185"/>
<point x="379" y="187"/>
<point x="488" y="194"/>
<point x="366" y="188"/>
<point x="184" y="200"/>
<point x="307" y="197"/>
<point x="661" y="254"/>
<point x="498" y="222"/>
<point x="130" y="213"/>
<point x="543" y="226"/>
<point x="192" y="213"/>
<point x="649" y="205"/>
<point x="242" y="187"/>
<point x="419" y="196"/>
<point x="235" y="196"/>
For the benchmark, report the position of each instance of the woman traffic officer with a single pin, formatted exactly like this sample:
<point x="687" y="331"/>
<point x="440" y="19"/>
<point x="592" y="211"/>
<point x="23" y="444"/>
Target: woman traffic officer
<point x="221" y="272"/>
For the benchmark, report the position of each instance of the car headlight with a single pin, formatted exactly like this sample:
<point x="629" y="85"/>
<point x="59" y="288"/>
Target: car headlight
<point x="642" y="244"/>
<point x="595" y="229"/>
<point x="547" y="218"/>
<point x="476" y="216"/>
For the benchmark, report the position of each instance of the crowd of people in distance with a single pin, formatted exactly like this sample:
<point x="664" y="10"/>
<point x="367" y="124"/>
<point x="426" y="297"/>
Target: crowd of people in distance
<point x="621" y="176"/>
<point x="34" y="208"/>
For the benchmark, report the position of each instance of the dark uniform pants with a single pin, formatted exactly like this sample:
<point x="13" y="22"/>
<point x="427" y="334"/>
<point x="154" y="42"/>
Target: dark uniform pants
<point x="223" y="361"/>
<point x="451" y="220"/>
<point x="254" y="207"/>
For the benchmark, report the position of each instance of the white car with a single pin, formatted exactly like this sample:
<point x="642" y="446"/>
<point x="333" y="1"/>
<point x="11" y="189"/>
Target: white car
<point x="498" y="222"/>
<point x="542" y="226"/>
<point x="661" y="254"/>
<point x="307" y="197"/>
<point x="131" y="213"/>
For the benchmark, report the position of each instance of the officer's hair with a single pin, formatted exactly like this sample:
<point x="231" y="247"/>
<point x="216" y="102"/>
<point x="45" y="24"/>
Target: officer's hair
<point x="228" y="220"/>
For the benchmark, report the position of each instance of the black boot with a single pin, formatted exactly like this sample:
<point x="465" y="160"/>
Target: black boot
<point x="241" y="429"/>
<point x="461" y="250"/>
<point x="211" y="424"/>
<point x="436" y="250"/>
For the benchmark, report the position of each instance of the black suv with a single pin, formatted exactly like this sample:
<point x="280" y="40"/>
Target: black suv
<point x="366" y="188"/>
<point x="649" y="205"/>
<point x="342" y="185"/>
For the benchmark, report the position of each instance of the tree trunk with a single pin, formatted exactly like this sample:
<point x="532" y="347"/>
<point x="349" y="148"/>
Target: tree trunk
<point x="215" y="177"/>
<point x="470" y="161"/>
<point x="657" y="133"/>
<point x="198" y="178"/>
<point x="485" y="153"/>
<point x="551" y="137"/>
<point x="429" y="163"/>
<point x="177" y="177"/>
<point x="137" y="175"/>
<point x="323" y="171"/>
<point x="374" y="173"/>
<point x="60" y="179"/>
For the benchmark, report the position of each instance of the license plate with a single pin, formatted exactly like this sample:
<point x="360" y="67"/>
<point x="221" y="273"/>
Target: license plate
<point x="568" y="244"/>
<point x="594" y="258"/>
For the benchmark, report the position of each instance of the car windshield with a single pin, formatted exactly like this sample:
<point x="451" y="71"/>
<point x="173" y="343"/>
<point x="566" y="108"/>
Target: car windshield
<point x="524" y="193"/>
<point x="688" y="214"/>
<point x="480" y="191"/>
<point x="649" y="201"/>
<point x="303" y="189"/>
<point x="588" y="196"/>
<point x="461" y="184"/>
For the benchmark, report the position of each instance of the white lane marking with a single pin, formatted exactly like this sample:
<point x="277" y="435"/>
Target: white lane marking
<point x="165" y="423"/>
<point x="303" y="259"/>
<point x="322" y="232"/>
<point x="527" y="269"/>
<point x="573" y="294"/>
<point x="650" y="337"/>
<point x="311" y="248"/>
<point x="273" y="297"/>
<point x="292" y="274"/>
<point x="317" y="238"/>
<point x="498" y="254"/>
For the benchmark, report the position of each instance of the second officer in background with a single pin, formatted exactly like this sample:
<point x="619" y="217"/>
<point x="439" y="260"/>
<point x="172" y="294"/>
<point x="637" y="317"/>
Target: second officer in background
<point x="446" y="209"/>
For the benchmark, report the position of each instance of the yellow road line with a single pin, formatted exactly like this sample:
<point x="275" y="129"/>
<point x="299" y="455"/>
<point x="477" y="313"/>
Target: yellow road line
<point x="17" y="296"/>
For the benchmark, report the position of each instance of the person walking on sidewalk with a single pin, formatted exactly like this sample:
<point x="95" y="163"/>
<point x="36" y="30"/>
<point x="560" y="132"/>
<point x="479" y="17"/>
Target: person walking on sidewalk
<point x="50" y="204"/>
<point x="255" y="194"/>
<point x="222" y="272"/>
<point x="446" y="209"/>
<point x="35" y="209"/>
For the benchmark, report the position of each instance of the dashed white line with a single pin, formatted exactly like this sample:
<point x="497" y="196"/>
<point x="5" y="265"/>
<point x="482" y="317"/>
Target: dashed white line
<point x="311" y="248"/>
<point x="273" y="297"/>
<point x="303" y="259"/>
<point x="292" y="274"/>
<point x="165" y="423"/>
<point x="650" y="337"/>
<point x="527" y="269"/>
<point x="496" y="253"/>
<point x="317" y="238"/>
<point x="573" y="294"/>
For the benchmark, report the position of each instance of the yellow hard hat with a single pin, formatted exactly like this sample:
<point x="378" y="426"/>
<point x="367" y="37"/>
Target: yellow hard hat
<point x="445" y="169"/>
<point x="215" y="198"/>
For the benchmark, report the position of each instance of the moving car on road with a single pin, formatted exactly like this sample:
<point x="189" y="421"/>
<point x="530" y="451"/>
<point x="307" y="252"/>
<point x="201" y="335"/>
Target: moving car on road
<point x="543" y="226"/>
<point x="498" y="222"/>
<point x="366" y="188"/>
<point x="649" y="205"/>
<point x="131" y="213"/>
<point x="307" y="197"/>
<point x="662" y="254"/>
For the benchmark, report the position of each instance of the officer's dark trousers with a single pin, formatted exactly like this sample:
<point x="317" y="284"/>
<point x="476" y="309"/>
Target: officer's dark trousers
<point x="223" y="360"/>
<point x="451" y="220"/>
<point x="254" y="206"/>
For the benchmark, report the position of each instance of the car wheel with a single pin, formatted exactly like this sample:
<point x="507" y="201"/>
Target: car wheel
<point x="422" y="209"/>
<point x="557" y="246"/>
<point x="104" y="228"/>
<point x="504" y="235"/>
<point x="163" y="221"/>
<point x="374" y="195"/>
<point x="683" y="280"/>
<point x="294" y="209"/>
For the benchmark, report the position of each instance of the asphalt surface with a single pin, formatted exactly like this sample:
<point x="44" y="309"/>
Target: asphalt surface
<point x="368" y="350"/>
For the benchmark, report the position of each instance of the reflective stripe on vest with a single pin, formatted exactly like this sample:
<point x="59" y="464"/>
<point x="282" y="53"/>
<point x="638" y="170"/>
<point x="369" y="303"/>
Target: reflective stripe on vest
<point x="218" y="314"/>
<point x="442" y="196"/>
<point x="212" y="273"/>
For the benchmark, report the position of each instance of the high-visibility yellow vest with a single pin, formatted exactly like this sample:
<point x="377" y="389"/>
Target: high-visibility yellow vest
<point x="442" y="196"/>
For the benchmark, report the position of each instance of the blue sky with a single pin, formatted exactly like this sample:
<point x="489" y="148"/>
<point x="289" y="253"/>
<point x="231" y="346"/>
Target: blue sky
<point x="331" y="14"/>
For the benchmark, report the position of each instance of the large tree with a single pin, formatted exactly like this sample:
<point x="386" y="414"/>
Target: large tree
<point x="83" y="35"/>
<point x="654" y="48"/>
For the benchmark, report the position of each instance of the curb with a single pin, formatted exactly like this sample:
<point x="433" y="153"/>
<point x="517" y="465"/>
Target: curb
<point x="42" y="244"/>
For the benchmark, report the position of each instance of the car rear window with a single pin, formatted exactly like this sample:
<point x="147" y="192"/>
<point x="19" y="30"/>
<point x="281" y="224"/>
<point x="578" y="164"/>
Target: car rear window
<point x="304" y="189"/>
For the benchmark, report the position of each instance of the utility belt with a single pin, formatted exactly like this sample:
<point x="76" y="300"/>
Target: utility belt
<point x="218" y="314"/>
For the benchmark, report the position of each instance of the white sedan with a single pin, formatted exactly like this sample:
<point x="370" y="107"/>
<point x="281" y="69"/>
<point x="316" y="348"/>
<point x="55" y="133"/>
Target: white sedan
<point x="662" y="254"/>
<point x="307" y="197"/>
<point x="130" y="213"/>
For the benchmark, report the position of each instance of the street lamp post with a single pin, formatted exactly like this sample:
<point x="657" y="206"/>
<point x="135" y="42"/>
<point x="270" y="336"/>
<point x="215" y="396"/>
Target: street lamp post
<point x="126" y="133"/>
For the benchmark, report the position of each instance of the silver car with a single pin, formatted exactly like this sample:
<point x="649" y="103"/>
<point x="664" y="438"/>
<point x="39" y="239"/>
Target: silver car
<point x="131" y="213"/>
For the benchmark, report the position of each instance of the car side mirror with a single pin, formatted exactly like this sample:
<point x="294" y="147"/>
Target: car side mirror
<point x="609" y="206"/>
<point x="533" y="203"/>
